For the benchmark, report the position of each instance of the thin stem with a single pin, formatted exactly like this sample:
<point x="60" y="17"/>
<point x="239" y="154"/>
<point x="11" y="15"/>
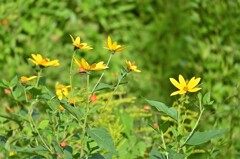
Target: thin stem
<point x="39" y="75"/>
<point x="109" y="59"/>
<point x="111" y="96"/>
<point x="195" y="126"/>
<point x="25" y="93"/>
<point x="34" y="126"/>
<point x="85" y="119"/>
<point x="179" y="126"/>
<point x="164" y="144"/>
<point x="70" y="72"/>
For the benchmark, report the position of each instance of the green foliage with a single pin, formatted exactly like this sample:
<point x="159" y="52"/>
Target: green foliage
<point x="202" y="137"/>
<point x="166" y="38"/>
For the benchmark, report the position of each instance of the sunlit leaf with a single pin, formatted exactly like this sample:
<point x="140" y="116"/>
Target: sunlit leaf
<point x="163" y="108"/>
<point x="203" y="137"/>
<point x="102" y="137"/>
<point x="43" y="124"/>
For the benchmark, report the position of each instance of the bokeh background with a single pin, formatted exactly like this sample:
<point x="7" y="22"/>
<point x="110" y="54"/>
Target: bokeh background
<point x="165" y="38"/>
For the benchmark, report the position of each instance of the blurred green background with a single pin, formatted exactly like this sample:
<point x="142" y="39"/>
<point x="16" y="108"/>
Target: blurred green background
<point x="165" y="38"/>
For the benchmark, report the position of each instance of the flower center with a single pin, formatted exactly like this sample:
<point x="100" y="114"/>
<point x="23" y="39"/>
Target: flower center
<point x="185" y="88"/>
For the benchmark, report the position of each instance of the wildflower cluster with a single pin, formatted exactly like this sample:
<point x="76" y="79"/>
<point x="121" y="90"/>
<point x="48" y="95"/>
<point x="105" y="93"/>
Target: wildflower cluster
<point x="70" y="129"/>
<point x="67" y="98"/>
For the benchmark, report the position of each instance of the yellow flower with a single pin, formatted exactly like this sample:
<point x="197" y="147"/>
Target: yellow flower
<point x="77" y="43"/>
<point x="61" y="107"/>
<point x="62" y="90"/>
<point x="131" y="66"/>
<point x="25" y="79"/>
<point x="114" y="47"/>
<point x="44" y="62"/>
<point x="12" y="153"/>
<point x="96" y="66"/>
<point x="185" y="86"/>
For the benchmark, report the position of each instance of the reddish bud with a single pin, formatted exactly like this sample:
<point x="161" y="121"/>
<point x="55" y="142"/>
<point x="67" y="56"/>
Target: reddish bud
<point x="93" y="98"/>
<point x="8" y="109"/>
<point x="155" y="125"/>
<point x="81" y="70"/>
<point x="145" y="153"/>
<point x="63" y="144"/>
<point x="4" y="22"/>
<point x="7" y="91"/>
<point x="28" y="96"/>
<point x="146" y="107"/>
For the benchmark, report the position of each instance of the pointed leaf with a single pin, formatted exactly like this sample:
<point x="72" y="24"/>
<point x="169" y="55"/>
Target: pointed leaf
<point x="155" y="154"/>
<point x="43" y="124"/>
<point x="102" y="137"/>
<point x="6" y="83"/>
<point x="14" y="81"/>
<point x="72" y="110"/>
<point x="174" y="155"/>
<point x="96" y="156"/>
<point x="201" y="137"/>
<point x="163" y="108"/>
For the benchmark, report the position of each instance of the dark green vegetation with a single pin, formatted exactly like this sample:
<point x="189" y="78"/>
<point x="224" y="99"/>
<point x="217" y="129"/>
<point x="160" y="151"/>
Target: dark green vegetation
<point x="165" y="38"/>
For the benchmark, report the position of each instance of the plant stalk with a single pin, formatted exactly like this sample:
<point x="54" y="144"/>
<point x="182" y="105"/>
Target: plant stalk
<point x="109" y="59"/>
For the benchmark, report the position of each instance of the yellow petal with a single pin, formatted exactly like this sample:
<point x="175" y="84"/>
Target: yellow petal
<point x="175" y="93"/>
<point x="182" y="91"/>
<point x="65" y="92"/>
<point x="72" y="38"/>
<point x="194" y="89"/>
<point x="77" y="62"/>
<point x="120" y="48"/>
<point x="109" y="42"/>
<point x="193" y="82"/>
<point x="59" y="94"/>
<point x="175" y="83"/>
<point x="84" y="64"/>
<point x="114" y="46"/>
<point x="182" y="81"/>
<point x="77" y="41"/>
<point x="32" y="77"/>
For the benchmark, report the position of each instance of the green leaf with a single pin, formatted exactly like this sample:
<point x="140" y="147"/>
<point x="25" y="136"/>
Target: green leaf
<point x="122" y="74"/>
<point x="72" y="110"/>
<point x="199" y="138"/>
<point x="102" y="137"/>
<point x="163" y="108"/>
<point x="43" y="124"/>
<point x="17" y="92"/>
<point x="207" y="99"/>
<point x="6" y="83"/>
<point x="127" y="121"/>
<point x="102" y="86"/>
<point x="155" y="154"/>
<point x="13" y="82"/>
<point x="96" y="156"/>
<point x="68" y="152"/>
<point x="38" y="148"/>
<point x="174" y="155"/>
<point x="3" y="85"/>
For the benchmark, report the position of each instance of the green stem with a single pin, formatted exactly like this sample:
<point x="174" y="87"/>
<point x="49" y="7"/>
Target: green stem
<point x="39" y="75"/>
<point x="195" y="126"/>
<point x="25" y="93"/>
<point x="179" y="126"/>
<point x="109" y="59"/>
<point x="111" y="96"/>
<point x="164" y="144"/>
<point x="70" y="72"/>
<point x="85" y="119"/>
<point x="34" y="126"/>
